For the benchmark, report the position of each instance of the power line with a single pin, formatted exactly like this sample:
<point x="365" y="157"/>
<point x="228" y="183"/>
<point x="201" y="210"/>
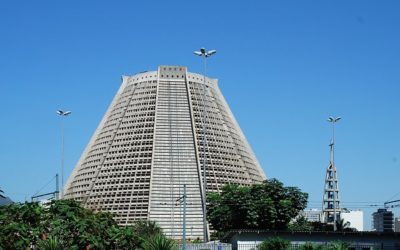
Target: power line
<point x="44" y="186"/>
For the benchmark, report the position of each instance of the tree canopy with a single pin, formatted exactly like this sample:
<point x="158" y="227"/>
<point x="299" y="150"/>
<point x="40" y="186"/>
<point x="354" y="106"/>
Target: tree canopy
<point x="63" y="224"/>
<point x="268" y="205"/>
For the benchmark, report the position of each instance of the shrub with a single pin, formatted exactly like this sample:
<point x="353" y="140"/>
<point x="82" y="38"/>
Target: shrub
<point x="311" y="246"/>
<point x="274" y="243"/>
<point x="338" y="245"/>
<point x="159" y="242"/>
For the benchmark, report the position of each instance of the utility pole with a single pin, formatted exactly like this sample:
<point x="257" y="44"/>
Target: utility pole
<point x="57" y="188"/>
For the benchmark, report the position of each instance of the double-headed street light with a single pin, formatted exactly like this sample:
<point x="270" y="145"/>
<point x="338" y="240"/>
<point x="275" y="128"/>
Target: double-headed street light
<point x="205" y="54"/>
<point x="333" y="120"/>
<point x="63" y="114"/>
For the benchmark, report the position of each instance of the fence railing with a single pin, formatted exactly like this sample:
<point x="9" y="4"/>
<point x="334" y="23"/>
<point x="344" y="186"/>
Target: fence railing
<point x="207" y="246"/>
<point x="300" y="246"/>
<point x="325" y="246"/>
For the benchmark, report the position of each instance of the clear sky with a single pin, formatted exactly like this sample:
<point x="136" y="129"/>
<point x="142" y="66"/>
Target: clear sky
<point x="283" y="66"/>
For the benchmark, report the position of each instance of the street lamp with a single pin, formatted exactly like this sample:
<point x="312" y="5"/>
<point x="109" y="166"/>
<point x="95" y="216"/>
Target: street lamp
<point x="205" y="54"/>
<point x="63" y="114"/>
<point x="333" y="120"/>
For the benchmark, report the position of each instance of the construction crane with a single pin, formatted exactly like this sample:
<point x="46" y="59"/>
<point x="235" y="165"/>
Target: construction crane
<point x="396" y="204"/>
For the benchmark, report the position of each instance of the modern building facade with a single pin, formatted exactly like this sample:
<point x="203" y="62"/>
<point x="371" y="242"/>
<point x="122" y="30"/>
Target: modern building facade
<point x="163" y="129"/>
<point x="383" y="220"/>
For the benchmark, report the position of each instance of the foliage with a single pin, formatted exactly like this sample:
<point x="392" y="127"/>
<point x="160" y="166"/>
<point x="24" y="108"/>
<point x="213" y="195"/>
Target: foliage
<point x="274" y="243"/>
<point x="196" y="241"/>
<point x="52" y="243"/>
<point x="320" y="226"/>
<point x="300" y="224"/>
<point x="338" y="245"/>
<point x="124" y="238"/>
<point x="311" y="246"/>
<point x="20" y="225"/>
<point x="159" y="242"/>
<point x="147" y="229"/>
<point x="268" y="205"/>
<point x="341" y="225"/>
<point x="63" y="224"/>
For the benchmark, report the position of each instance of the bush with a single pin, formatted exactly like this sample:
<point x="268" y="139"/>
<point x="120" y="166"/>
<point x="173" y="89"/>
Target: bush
<point x="159" y="242"/>
<point x="311" y="246"/>
<point x="338" y="245"/>
<point x="64" y="224"/>
<point x="274" y="243"/>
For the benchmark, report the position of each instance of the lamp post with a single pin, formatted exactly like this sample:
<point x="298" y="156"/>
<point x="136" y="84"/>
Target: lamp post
<point x="62" y="114"/>
<point x="205" y="54"/>
<point x="333" y="120"/>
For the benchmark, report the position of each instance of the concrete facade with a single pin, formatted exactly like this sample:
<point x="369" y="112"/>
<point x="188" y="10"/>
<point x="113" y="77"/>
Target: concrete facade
<point x="151" y="141"/>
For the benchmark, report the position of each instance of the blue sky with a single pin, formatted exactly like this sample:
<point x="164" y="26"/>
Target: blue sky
<point x="283" y="66"/>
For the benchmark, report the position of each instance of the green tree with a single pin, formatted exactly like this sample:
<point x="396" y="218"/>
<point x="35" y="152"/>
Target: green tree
<point x="268" y="205"/>
<point x="341" y="225"/>
<point x="20" y="225"/>
<point x="124" y="238"/>
<point x="300" y="224"/>
<point x="76" y="227"/>
<point x="64" y="224"/>
<point x="147" y="229"/>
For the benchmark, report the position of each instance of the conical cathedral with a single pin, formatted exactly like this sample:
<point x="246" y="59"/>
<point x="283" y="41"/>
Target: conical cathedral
<point x="163" y="129"/>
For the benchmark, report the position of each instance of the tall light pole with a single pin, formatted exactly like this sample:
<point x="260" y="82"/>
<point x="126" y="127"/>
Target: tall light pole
<point x="205" y="54"/>
<point x="62" y="114"/>
<point x="333" y="120"/>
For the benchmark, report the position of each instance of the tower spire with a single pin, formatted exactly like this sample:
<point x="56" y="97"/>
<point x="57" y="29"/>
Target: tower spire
<point x="331" y="202"/>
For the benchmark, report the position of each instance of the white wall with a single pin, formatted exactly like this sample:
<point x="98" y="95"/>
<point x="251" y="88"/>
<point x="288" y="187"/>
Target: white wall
<point x="355" y="218"/>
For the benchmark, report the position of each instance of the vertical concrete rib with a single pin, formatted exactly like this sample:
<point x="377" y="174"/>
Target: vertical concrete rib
<point x="175" y="161"/>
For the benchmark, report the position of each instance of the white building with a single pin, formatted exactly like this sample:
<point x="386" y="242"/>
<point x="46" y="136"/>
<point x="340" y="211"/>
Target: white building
<point x="312" y="215"/>
<point x="163" y="129"/>
<point x="355" y="217"/>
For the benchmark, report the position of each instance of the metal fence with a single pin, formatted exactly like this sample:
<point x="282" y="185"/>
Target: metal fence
<point x="300" y="246"/>
<point x="325" y="246"/>
<point x="207" y="246"/>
